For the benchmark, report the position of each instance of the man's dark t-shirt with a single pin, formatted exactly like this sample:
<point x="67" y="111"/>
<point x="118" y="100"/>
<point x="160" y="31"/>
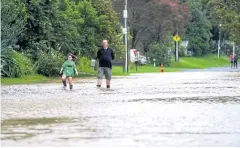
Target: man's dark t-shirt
<point x="105" y="57"/>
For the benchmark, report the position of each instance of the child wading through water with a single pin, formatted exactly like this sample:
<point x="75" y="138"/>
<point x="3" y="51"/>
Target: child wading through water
<point x="68" y="69"/>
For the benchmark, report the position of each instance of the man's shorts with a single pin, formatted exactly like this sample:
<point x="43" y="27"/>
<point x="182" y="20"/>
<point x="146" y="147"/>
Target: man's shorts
<point x="104" y="71"/>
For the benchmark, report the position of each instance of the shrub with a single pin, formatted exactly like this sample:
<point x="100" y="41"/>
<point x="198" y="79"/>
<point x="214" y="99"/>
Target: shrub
<point x="9" y="66"/>
<point x="132" y="66"/>
<point x="161" y="54"/>
<point x="84" y="64"/>
<point x="49" y="64"/>
<point x="181" y="51"/>
<point x="25" y="64"/>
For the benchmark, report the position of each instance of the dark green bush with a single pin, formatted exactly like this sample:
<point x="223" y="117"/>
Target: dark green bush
<point x="84" y="65"/>
<point x="25" y="64"/>
<point x="49" y="64"/>
<point x="9" y="66"/>
<point x="181" y="51"/>
<point x="160" y="52"/>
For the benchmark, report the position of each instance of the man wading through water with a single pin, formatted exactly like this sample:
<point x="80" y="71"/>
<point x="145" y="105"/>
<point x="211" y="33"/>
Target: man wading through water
<point x="105" y="55"/>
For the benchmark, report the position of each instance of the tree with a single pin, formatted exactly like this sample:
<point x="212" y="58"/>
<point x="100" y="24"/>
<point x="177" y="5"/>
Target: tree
<point x="13" y="20"/>
<point x="109" y="26"/>
<point x="39" y="30"/>
<point x="160" y="53"/>
<point x="227" y="12"/>
<point x="153" y="20"/>
<point x="87" y="31"/>
<point x="198" y="31"/>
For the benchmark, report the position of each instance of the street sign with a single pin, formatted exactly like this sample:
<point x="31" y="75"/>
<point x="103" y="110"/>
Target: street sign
<point x="124" y="31"/>
<point x="125" y="14"/>
<point x="176" y="38"/>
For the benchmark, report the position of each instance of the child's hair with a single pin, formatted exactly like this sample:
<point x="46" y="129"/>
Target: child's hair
<point x="73" y="56"/>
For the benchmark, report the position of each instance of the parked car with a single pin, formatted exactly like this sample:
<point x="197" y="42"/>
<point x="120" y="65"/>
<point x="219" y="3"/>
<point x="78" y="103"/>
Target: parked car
<point x="142" y="60"/>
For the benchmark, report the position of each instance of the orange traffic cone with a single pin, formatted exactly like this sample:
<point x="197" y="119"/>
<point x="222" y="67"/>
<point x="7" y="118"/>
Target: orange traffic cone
<point x="161" y="68"/>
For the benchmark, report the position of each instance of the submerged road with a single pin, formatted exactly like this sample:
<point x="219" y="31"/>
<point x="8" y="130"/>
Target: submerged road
<point x="162" y="109"/>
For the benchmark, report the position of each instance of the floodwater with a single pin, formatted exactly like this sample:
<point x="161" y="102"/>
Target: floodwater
<point x="143" y="110"/>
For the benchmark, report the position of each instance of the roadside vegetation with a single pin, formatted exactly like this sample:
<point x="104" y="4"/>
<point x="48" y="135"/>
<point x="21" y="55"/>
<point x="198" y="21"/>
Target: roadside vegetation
<point x="37" y="35"/>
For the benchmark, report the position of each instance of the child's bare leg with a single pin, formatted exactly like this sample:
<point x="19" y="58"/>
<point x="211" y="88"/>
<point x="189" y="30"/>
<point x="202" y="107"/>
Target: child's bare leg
<point x="64" y="80"/>
<point x="70" y="79"/>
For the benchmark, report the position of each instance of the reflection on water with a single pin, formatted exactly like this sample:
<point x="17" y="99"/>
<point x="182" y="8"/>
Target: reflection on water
<point x="223" y="99"/>
<point x="170" y="109"/>
<point x="22" y="128"/>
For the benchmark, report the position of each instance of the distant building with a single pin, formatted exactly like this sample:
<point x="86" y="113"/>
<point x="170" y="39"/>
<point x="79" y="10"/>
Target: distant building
<point x="185" y="45"/>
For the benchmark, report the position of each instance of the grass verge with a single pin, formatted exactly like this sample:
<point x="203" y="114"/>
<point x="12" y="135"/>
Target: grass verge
<point x="184" y="63"/>
<point x="201" y="62"/>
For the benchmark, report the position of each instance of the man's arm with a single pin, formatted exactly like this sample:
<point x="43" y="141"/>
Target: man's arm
<point x="112" y="54"/>
<point x="98" y="54"/>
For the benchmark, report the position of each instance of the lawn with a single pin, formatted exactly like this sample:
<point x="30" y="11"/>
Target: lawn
<point x="150" y="68"/>
<point x="38" y="79"/>
<point x="201" y="62"/>
<point x="186" y="63"/>
<point x="27" y="80"/>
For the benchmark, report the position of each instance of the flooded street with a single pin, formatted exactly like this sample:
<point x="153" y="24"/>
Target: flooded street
<point x="163" y="109"/>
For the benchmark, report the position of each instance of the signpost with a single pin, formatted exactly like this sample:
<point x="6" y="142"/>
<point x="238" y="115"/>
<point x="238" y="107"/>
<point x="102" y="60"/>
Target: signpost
<point x="125" y="16"/>
<point x="136" y="58"/>
<point x="176" y="38"/>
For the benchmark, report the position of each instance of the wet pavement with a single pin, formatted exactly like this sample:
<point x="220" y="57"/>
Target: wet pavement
<point x="215" y="69"/>
<point x="164" y="109"/>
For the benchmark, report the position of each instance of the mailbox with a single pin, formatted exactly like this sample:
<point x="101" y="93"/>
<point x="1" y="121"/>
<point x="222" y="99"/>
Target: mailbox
<point x="93" y="62"/>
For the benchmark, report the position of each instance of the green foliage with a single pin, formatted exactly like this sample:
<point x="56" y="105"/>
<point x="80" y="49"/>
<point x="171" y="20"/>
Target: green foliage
<point x="39" y="34"/>
<point x="49" y="64"/>
<point x="25" y="64"/>
<point x="227" y="12"/>
<point x="181" y="51"/>
<point x="14" y="64"/>
<point x="109" y="26"/>
<point x="9" y="66"/>
<point x="160" y="52"/>
<point x="153" y="20"/>
<point x="13" y="20"/>
<point x="132" y="66"/>
<point x="77" y="27"/>
<point x="119" y="51"/>
<point x="198" y="31"/>
<point x="84" y="64"/>
<point x="69" y="26"/>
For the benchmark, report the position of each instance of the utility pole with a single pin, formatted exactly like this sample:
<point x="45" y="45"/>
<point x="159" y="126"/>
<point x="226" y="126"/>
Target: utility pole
<point x="219" y="40"/>
<point x="176" y="39"/>
<point x="177" y="59"/>
<point x="233" y="48"/>
<point x="125" y="15"/>
<point x="175" y="50"/>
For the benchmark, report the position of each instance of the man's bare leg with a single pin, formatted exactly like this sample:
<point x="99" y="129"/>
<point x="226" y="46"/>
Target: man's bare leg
<point x="108" y="83"/>
<point x="99" y="82"/>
